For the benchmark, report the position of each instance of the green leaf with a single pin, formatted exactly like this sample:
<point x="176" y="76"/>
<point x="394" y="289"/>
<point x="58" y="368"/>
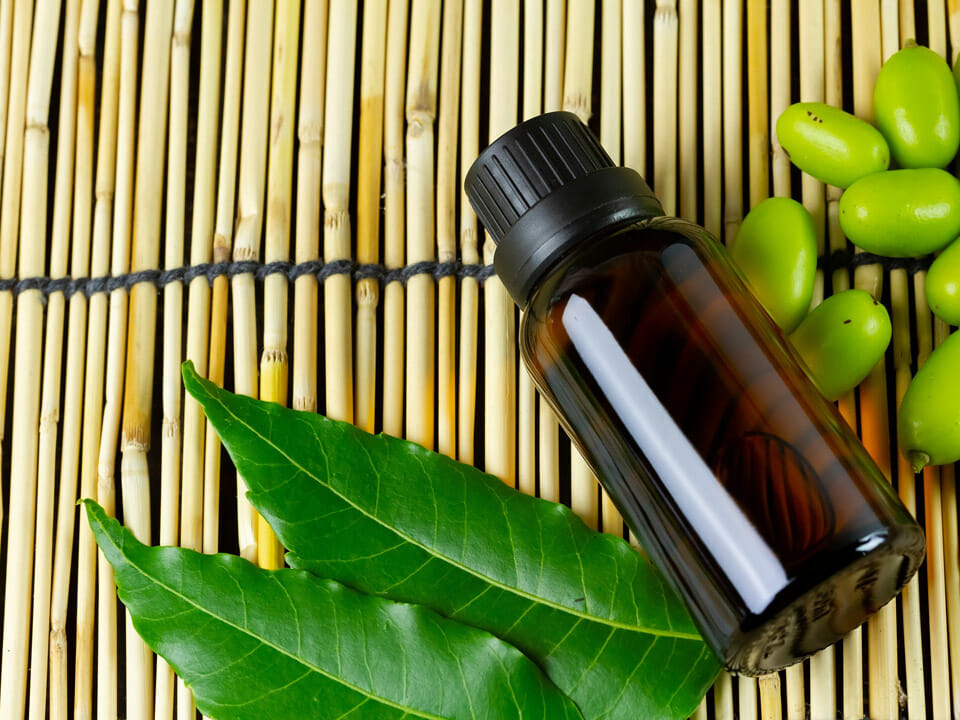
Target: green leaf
<point x="391" y="518"/>
<point x="254" y="643"/>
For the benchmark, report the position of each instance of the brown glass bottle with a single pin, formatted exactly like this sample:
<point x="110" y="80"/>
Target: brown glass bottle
<point x="747" y="489"/>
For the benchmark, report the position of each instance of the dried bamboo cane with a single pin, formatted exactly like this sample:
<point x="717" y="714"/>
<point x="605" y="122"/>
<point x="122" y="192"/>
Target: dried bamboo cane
<point x="446" y="227"/>
<point x="141" y="332"/>
<point x="634" y="87"/>
<point x="554" y="51"/>
<point x="15" y="100"/>
<point x="394" y="191"/>
<point x="665" y="31"/>
<point x="732" y="120"/>
<point x="309" y="156"/>
<point x="273" y="362"/>
<point x="201" y="251"/>
<point x="84" y="367"/>
<point x="526" y="393"/>
<point x="6" y="40"/>
<point x="499" y="332"/>
<point x="222" y="248"/>
<point x="469" y="254"/>
<point x="770" y="704"/>
<point x="937" y="41"/>
<point x="811" y="24"/>
<point x="939" y="664"/>
<point x="910" y="596"/>
<point x="611" y="90"/>
<point x="26" y="388"/>
<point x="747" y="698"/>
<point x="577" y="94"/>
<point x="249" y="226"/>
<point x="953" y="20"/>
<point x="712" y="121"/>
<point x="889" y="27"/>
<point x="866" y="42"/>
<point x="53" y="345"/>
<point x="102" y="449"/>
<point x="759" y="129"/>
<point x="421" y="110"/>
<point x="172" y="318"/>
<point x="780" y="90"/>
<point x="373" y="60"/>
<point x="908" y="27"/>
<point x="688" y="112"/>
<point x="951" y="557"/>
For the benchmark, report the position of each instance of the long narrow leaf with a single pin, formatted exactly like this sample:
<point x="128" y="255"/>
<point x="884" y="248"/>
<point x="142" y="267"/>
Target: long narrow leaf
<point x="391" y="518"/>
<point x="253" y="643"/>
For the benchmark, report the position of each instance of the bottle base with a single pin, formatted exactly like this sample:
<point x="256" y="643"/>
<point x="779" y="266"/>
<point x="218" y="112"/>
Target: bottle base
<point x="829" y="610"/>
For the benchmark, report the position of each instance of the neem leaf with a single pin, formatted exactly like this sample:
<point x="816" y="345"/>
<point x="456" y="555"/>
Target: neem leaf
<point x="254" y="643"/>
<point x="391" y="518"/>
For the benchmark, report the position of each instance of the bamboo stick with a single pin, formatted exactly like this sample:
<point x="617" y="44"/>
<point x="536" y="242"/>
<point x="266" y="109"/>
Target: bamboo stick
<point x="26" y="389"/>
<point x="141" y="332"/>
<point x="665" y="31"/>
<point x="15" y="100"/>
<point x="611" y="89"/>
<point x="939" y="674"/>
<point x="273" y="362"/>
<point x="469" y="254"/>
<point x="780" y="90"/>
<point x="84" y="367"/>
<point x="866" y="43"/>
<point x="53" y="344"/>
<point x="446" y="226"/>
<point x="373" y="60"/>
<point x="770" y="706"/>
<point x="222" y="248"/>
<point x="421" y="110"/>
<point x="531" y="98"/>
<point x="951" y="558"/>
<point x="747" y="697"/>
<point x="937" y="36"/>
<point x="338" y="343"/>
<point x="759" y="129"/>
<point x="499" y="332"/>
<point x="554" y="54"/>
<point x="634" y="87"/>
<point x="102" y="448"/>
<point x="577" y="94"/>
<point x="394" y="236"/>
<point x="889" y="27"/>
<point x="713" y="120"/>
<point x="953" y="20"/>
<point x="811" y="24"/>
<point x="249" y="226"/>
<point x="908" y="28"/>
<point x="309" y="157"/>
<point x="192" y="529"/>
<point x="688" y="111"/>
<point x="172" y="320"/>
<point x="732" y="120"/>
<point x="723" y="697"/>
<point x="6" y="40"/>
<point x="910" y="596"/>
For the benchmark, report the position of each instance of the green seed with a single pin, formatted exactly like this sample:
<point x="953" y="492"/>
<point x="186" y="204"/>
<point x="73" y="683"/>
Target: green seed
<point x="902" y="213"/>
<point x="830" y="144"/>
<point x="842" y="340"/>
<point x="943" y="284"/>
<point x="929" y="422"/>
<point x="776" y="249"/>
<point x="917" y="108"/>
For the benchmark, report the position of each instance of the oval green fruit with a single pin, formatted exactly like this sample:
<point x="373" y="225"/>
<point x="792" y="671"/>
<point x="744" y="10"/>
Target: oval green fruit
<point x="842" y="339"/>
<point x="831" y="145"/>
<point x="902" y="213"/>
<point x="943" y="284"/>
<point x="918" y="108"/>
<point x="776" y="249"/>
<point x="928" y="426"/>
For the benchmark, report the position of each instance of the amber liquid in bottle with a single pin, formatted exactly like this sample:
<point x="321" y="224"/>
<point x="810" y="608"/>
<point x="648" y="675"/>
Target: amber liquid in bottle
<point x="746" y="487"/>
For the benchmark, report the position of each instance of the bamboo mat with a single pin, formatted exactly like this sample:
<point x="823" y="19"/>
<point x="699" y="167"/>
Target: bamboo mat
<point x="273" y="191"/>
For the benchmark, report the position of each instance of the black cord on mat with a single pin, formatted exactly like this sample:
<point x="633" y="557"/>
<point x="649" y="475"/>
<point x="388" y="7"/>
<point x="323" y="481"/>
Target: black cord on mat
<point x="321" y="271"/>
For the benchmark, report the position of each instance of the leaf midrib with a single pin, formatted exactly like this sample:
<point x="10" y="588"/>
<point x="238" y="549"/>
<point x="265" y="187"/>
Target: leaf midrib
<point x="246" y="631"/>
<point x="515" y="591"/>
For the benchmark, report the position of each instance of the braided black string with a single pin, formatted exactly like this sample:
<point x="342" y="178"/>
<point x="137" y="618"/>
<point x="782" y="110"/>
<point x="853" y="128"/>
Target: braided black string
<point x="841" y="259"/>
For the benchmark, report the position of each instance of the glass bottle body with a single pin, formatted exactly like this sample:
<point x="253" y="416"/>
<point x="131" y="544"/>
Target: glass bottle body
<point x="746" y="488"/>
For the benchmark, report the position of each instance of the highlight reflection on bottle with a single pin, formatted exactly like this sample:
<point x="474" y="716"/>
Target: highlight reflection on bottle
<point x="743" y="484"/>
